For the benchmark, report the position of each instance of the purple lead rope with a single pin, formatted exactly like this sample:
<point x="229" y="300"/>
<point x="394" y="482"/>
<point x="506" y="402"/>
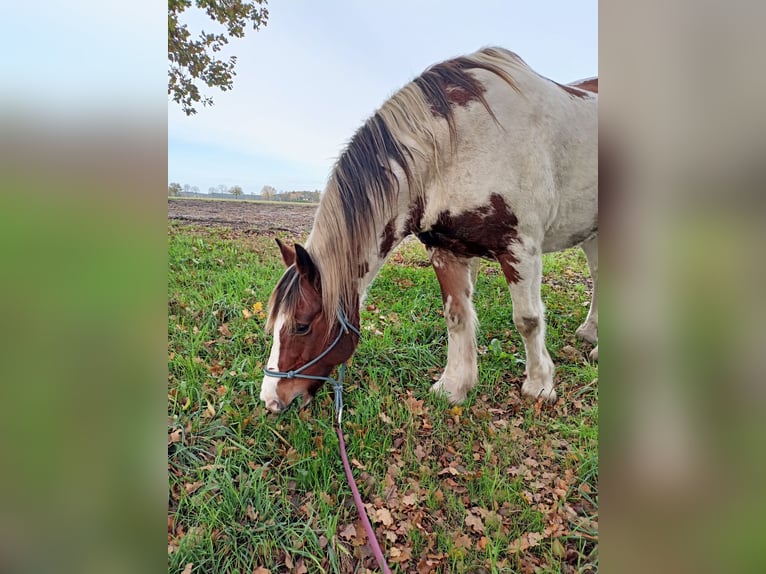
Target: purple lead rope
<point x="360" y="507"/>
<point x="352" y="483"/>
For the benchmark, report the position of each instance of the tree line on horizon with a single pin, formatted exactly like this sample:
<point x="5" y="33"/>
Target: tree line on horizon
<point x="268" y="192"/>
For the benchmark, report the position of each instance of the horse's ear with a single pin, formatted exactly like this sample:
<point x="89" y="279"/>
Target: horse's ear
<point x="306" y="267"/>
<point x="288" y="253"/>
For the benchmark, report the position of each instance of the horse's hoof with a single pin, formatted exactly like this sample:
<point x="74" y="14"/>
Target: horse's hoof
<point x="587" y="332"/>
<point x="535" y="389"/>
<point x="446" y="388"/>
<point x="593" y="355"/>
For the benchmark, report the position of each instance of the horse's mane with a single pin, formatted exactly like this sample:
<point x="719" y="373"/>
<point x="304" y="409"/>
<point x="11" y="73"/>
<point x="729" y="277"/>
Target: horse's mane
<point x="363" y="189"/>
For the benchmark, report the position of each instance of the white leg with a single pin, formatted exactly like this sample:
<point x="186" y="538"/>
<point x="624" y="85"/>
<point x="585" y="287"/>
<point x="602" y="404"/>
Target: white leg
<point x="524" y="275"/>
<point x="455" y="279"/>
<point x="589" y="329"/>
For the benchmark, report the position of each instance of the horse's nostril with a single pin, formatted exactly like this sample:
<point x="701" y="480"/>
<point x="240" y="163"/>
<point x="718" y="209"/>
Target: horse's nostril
<point x="275" y="406"/>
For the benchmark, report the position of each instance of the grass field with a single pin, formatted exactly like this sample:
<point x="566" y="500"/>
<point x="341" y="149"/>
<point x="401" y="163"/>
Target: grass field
<point x="497" y="484"/>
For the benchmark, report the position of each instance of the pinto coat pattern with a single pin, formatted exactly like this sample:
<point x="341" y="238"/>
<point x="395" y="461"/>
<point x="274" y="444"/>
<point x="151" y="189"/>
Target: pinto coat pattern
<point x="479" y="156"/>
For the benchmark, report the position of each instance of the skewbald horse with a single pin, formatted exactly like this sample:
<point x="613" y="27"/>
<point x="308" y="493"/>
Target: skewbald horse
<point x="479" y="157"/>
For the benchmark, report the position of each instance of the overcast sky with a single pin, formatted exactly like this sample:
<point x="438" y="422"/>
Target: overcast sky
<point x="311" y="77"/>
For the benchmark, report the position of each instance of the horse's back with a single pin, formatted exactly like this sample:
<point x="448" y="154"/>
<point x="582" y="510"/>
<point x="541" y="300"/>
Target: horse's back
<point x="539" y="152"/>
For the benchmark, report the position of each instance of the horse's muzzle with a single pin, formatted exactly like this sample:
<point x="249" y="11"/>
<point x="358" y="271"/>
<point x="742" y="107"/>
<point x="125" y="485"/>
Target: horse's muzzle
<point x="275" y="406"/>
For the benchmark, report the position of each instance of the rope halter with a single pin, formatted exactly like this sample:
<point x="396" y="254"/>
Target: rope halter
<point x="345" y="328"/>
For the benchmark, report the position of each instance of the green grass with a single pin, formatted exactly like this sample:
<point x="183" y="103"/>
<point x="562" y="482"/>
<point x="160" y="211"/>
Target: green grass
<point x="249" y="489"/>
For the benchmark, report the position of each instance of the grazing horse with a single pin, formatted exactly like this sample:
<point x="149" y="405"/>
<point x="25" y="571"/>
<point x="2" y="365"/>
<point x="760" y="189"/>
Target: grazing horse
<point x="479" y="156"/>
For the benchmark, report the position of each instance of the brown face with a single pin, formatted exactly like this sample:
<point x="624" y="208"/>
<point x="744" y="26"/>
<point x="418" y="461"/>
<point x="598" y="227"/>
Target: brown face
<point x="300" y="336"/>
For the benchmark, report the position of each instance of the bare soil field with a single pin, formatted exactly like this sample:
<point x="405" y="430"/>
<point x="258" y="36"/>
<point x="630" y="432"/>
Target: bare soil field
<point x="254" y="216"/>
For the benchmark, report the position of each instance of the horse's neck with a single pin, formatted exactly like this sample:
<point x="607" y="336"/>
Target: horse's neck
<point x="387" y="240"/>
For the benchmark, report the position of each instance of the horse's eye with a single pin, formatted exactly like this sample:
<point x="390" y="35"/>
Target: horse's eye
<point x="301" y="329"/>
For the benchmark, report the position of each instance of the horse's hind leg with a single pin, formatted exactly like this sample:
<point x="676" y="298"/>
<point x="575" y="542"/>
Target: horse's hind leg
<point x="523" y="272"/>
<point x="456" y="282"/>
<point x="589" y="329"/>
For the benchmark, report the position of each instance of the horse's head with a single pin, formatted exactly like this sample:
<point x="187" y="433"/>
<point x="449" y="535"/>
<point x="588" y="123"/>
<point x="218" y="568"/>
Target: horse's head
<point x="307" y="344"/>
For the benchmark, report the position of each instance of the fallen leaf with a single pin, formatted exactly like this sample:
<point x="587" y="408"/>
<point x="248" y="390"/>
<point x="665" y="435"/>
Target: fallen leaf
<point x="246" y="313"/>
<point x="383" y="515"/>
<point x="409" y="500"/>
<point x="188" y="568"/>
<point x="420" y="453"/>
<point x="176" y="436"/>
<point x="475" y="523"/>
<point x="525" y="541"/>
<point x="300" y="567"/>
<point x="416" y="406"/>
<point x="192" y="487"/>
<point x="457" y="410"/>
<point x="557" y="548"/>
<point x="224" y="330"/>
<point x="252" y="514"/>
<point x="348" y="532"/>
<point x="462" y="541"/>
<point x="261" y="570"/>
<point x="216" y="370"/>
<point x="399" y="555"/>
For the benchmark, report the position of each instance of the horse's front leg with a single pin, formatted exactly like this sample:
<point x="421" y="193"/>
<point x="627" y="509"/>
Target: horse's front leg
<point x="456" y="281"/>
<point x="523" y="272"/>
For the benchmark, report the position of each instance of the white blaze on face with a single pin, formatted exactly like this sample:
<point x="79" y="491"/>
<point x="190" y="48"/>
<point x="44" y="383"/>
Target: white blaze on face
<point x="269" y="385"/>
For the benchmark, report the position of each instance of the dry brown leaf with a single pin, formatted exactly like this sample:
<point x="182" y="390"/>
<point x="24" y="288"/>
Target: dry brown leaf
<point x="400" y="554"/>
<point x="416" y="406"/>
<point x="300" y="567"/>
<point x="175" y="436"/>
<point x="224" y="330"/>
<point x="383" y="515"/>
<point x="420" y="453"/>
<point x="261" y="570"/>
<point x="525" y="541"/>
<point x="463" y="541"/>
<point x="191" y="487"/>
<point x="188" y="568"/>
<point x="475" y="523"/>
<point x="348" y="532"/>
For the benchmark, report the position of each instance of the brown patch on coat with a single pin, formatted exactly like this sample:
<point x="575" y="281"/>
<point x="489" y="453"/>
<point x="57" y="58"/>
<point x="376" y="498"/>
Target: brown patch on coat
<point x="528" y="325"/>
<point x="454" y="275"/>
<point x="459" y="96"/>
<point x="415" y="218"/>
<point x="508" y="263"/>
<point x="387" y="238"/>
<point x="573" y="91"/>
<point x="484" y="232"/>
<point x="590" y="85"/>
<point x="450" y="83"/>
